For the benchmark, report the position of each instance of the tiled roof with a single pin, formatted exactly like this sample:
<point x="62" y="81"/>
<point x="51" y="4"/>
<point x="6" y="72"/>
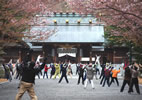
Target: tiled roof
<point x="69" y="30"/>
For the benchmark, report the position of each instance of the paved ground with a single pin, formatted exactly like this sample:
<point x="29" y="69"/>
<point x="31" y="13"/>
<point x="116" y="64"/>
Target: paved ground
<point x="49" y="89"/>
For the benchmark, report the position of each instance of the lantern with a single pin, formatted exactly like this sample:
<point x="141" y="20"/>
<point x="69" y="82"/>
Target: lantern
<point x="55" y="22"/>
<point x="90" y="21"/>
<point x="78" y="21"/>
<point x="67" y="21"/>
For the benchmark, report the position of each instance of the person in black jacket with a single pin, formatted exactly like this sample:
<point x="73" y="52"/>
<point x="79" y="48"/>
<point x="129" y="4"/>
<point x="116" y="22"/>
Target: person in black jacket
<point x="127" y="78"/>
<point x="64" y="71"/>
<point x="81" y="73"/>
<point x="28" y="78"/>
<point x="134" y="79"/>
<point x="102" y="71"/>
<point x="52" y="70"/>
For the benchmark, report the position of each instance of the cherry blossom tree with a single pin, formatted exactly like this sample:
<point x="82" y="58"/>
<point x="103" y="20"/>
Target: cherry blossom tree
<point x="18" y="16"/>
<point x="125" y="16"/>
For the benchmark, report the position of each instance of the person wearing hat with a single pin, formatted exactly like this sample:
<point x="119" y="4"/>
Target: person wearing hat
<point x="90" y="75"/>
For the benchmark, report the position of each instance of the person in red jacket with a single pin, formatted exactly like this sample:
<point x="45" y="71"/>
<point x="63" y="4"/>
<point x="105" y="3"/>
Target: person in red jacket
<point x="46" y="71"/>
<point x="107" y="75"/>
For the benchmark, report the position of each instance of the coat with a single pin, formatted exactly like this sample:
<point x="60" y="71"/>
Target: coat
<point x="115" y="72"/>
<point x="90" y="72"/>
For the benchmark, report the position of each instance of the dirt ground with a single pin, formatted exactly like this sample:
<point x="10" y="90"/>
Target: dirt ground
<point x="3" y="80"/>
<point x="140" y="80"/>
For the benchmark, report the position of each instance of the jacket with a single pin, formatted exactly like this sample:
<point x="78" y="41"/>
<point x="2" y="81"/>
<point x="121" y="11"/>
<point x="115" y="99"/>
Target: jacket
<point x="46" y="68"/>
<point x="115" y="72"/>
<point x="128" y="74"/>
<point x="90" y="72"/>
<point x="29" y="71"/>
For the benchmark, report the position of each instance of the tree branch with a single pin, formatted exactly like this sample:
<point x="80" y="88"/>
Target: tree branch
<point x="124" y="12"/>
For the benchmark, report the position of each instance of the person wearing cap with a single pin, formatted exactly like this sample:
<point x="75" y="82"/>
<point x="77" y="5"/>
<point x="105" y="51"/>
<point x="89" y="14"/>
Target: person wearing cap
<point x="90" y="75"/>
<point x="81" y="73"/>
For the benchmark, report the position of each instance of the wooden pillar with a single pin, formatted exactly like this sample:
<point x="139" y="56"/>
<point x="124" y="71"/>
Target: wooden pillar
<point x="43" y="53"/>
<point x="43" y="50"/>
<point x="20" y="56"/>
<point x="90" y="56"/>
<point x="33" y="57"/>
<point x="90" y="53"/>
<point x="78" y="55"/>
<point x="114" y="56"/>
<point x="55" y="55"/>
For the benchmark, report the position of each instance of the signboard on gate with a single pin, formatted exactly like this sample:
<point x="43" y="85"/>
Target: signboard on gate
<point x="66" y="50"/>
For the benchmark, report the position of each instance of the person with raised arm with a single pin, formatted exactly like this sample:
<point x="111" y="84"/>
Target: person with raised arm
<point x="114" y="76"/>
<point x="134" y="80"/>
<point x="64" y="73"/>
<point x="81" y="73"/>
<point x="57" y="70"/>
<point x="127" y="78"/>
<point x="28" y="77"/>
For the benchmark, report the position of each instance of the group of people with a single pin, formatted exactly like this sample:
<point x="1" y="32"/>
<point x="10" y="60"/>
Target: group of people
<point x="28" y="69"/>
<point x="88" y="71"/>
<point x="8" y="69"/>
<point x="131" y="78"/>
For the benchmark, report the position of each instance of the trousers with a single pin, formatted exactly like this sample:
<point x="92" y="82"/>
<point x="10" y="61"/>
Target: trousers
<point x="86" y="81"/>
<point x="24" y="86"/>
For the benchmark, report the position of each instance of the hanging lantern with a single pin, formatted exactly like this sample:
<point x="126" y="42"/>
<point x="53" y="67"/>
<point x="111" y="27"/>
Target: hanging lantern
<point x="90" y="21"/>
<point x="67" y="21"/>
<point x="78" y="21"/>
<point x="100" y="14"/>
<point x="55" y="22"/>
